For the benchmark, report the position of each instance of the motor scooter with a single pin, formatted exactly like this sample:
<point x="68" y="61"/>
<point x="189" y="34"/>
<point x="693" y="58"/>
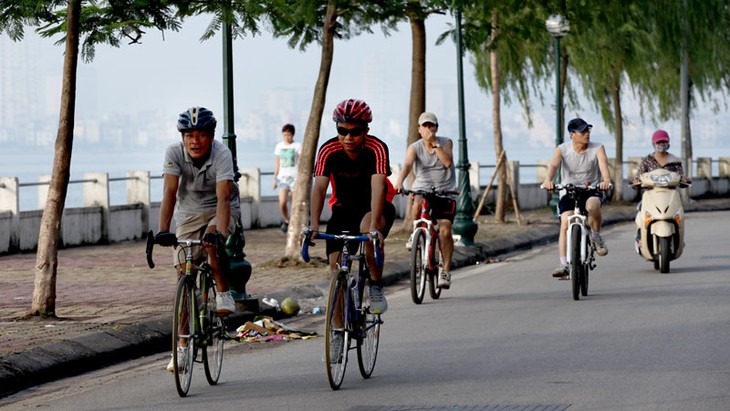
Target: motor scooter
<point x="660" y="218"/>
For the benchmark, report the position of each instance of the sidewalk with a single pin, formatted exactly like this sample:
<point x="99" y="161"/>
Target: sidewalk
<point x="114" y="308"/>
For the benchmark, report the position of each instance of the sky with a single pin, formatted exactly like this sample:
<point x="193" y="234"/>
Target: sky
<point x="172" y="71"/>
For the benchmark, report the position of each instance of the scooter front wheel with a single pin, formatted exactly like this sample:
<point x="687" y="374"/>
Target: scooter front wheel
<point x="663" y="254"/>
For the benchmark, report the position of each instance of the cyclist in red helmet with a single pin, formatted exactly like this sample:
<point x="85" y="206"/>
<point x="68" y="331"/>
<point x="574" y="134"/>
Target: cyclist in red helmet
<point x="357" y="165"/>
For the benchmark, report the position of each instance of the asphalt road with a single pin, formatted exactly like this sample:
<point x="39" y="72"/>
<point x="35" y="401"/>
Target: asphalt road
<point x="506" y="335"/>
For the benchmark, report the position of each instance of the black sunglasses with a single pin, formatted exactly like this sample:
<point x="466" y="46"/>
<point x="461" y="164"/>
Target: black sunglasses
<point x="354" y="132"/>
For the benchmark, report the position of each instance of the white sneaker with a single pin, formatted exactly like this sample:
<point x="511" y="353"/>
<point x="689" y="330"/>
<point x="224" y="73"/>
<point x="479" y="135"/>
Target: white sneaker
<point x="378" y="303"/>
<point x="409" y="243"/>
<point x="224" y="303"/>
<point x="336" y="345"/>
<point x="444" y="280"/>
<point x="182" y="359"/>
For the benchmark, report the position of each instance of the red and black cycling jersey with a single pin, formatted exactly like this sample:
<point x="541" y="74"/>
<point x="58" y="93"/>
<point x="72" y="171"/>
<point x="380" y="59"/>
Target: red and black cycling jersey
<point x="350" y="179"/>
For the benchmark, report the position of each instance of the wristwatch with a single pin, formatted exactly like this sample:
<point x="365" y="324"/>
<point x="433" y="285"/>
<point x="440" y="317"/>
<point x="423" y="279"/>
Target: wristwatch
<point x="437" y="145"/>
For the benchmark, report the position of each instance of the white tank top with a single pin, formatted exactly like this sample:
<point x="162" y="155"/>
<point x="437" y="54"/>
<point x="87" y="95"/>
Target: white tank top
<point x="580" y="168"/>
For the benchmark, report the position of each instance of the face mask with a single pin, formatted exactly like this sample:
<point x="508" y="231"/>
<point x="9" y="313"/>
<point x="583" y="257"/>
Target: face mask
<point x="661" y="147"/>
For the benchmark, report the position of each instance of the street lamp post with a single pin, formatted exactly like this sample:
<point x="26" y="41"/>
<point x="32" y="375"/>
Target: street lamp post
<point x="229" y="135"/>
<point x="558" y="26"/>
<point x="464" y="224"/>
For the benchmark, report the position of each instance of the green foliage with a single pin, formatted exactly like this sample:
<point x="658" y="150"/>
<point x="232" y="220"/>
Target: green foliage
<point x="101" y="22"/>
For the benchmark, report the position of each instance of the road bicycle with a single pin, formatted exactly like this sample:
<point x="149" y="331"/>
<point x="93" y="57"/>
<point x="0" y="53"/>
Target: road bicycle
<point x="195" y="322"/>
<point x="426" y="258"/>
<point x="580" y="248"/>
<point x="348" y="317"/>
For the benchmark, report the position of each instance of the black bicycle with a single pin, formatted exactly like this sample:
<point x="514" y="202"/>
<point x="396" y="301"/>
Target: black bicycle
<point x="348" y="316"/>
<point x="195" y="324"/>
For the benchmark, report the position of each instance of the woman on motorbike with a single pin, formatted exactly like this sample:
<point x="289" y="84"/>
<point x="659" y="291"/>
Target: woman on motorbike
<point x="660" y="158"/>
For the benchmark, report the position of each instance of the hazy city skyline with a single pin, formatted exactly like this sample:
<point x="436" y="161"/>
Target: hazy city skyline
<point x="131" y="95"/>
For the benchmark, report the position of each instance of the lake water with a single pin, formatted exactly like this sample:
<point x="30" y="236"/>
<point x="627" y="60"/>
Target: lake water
<point x="29" y="164"/>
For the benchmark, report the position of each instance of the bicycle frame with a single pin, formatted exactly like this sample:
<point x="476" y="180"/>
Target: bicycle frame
<point x="578" y="221"/>
<point x="430" y="228"/>
<point x="205" y="282"/>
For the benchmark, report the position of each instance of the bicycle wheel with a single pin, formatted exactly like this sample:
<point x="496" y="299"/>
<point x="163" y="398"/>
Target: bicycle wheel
<point x="183" y="330"/>
<point x="337" y="337"/>
<point x="436" y="261"/>
<point x="576" y="267"/>
<point x="585" y="271"/>
<point x="214" y="333"/>
<point x="367" y="344"/>
<point x="418" y="269"/>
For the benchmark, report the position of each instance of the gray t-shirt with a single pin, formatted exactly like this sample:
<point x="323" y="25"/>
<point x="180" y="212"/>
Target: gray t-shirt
<point x="196" y="190"/>
<point x="430" y="171"/>
<point x="580" y="168"/>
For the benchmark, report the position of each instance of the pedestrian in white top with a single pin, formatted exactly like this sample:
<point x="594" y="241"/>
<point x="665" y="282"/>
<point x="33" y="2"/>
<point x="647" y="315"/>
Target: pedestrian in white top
<point x="287" y="154"/>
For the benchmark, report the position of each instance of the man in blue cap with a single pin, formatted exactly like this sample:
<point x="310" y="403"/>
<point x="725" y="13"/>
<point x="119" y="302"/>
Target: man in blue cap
<point x="583" y="161"/>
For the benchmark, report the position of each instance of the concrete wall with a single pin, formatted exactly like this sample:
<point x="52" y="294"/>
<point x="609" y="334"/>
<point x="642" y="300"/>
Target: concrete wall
<point x="98" y="222"/>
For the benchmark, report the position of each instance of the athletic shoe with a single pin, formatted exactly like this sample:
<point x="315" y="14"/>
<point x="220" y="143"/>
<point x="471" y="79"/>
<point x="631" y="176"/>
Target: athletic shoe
<point x="182" y="359"/>
<point x="444" y="280"/>
<point x="378" y="303"/>
<point x="284" y="227"/>
<point x="561" y="272"/>
<point x="599" y="245"/>
<point x="409" y="243"/>
<point x="224" y="303"/>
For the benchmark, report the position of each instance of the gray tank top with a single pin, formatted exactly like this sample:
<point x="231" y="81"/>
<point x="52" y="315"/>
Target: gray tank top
<point x="430" y="171"/>
<point x="580" y="168"/>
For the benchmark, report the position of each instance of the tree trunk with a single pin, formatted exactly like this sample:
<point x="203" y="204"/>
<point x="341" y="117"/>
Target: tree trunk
<point x="499" y="211"/>
<point x="417" y="103"/>
<point x="618" y="177"/>
<point x="44" y="291"/>
<point x="301" y="197"/>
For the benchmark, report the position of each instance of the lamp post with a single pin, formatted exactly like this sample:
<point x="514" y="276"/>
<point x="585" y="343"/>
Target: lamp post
<point x="558" y="26"/>
<point x="229" y="135"/>
<point x="464" y="224"/>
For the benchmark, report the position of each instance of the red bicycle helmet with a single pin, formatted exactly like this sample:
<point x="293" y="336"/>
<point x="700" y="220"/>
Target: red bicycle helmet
<point x="352" y="111"/>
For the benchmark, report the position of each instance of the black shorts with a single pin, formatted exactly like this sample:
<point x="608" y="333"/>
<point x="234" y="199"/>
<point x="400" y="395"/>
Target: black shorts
<point x="442" y="208"/>
<point x="345" y="220"/>
<point x="567" y="204"/>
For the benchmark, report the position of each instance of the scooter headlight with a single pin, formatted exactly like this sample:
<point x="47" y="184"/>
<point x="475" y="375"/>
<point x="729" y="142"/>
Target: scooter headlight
<point x="661" y="180"/>
<point x="647" y="219"/>
<point x="678" y="218"/>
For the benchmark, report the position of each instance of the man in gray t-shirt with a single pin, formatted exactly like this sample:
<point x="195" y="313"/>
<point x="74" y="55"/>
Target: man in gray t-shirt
<point x="200" y="191"/>
<point x="583" y="161"/>
<point x="432" y="161"/>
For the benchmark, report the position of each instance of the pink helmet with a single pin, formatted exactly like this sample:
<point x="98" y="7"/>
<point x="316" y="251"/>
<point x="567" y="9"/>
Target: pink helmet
<point x="660" y="135"/>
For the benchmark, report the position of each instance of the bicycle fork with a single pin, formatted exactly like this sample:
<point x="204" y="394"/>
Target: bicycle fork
<point x="577" y="222"/>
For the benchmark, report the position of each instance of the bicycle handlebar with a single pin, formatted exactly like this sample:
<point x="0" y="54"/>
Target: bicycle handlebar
<point x="151" y="245"/>
<point x="577" y="187"/>
<point x="432" y="191"/>
<point x="310" y="235"/>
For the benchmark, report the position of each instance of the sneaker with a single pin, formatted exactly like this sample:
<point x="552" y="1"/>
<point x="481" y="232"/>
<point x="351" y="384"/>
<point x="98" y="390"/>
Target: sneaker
<point x="378" y="303"/>
<point x="599" y="245"/>
<point x="224" y="303"/>
<point x="182" y="358"/>
<point x="444" y="280"/>
<point x="284" y="227"/>
<point x="409" y="243"/>
<point x="336" y="343"/>
<point x="637" y="242"/>
<point x="561" y="272"/>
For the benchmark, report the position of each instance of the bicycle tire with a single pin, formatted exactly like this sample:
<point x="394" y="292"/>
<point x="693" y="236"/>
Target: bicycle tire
<point x="214" y="332"/>
<point x="184" y="314"/>
<point x="437" y="261"/>
<point x="367" y="344"/>
<point x="418" y="268"/>
<point x="585" y="272"/>
<point x="335" y="353"/>
<point x="575" y="263"/>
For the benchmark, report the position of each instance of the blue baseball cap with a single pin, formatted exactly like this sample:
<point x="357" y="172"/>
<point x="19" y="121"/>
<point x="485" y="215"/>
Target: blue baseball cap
<point x="578" y="124"/>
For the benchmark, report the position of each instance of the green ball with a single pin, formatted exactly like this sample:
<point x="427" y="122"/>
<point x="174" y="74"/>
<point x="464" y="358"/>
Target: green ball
<point x="290" y="306"/>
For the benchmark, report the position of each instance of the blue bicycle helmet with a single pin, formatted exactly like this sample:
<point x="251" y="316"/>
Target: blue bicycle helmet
<point x="196" y="118"/>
